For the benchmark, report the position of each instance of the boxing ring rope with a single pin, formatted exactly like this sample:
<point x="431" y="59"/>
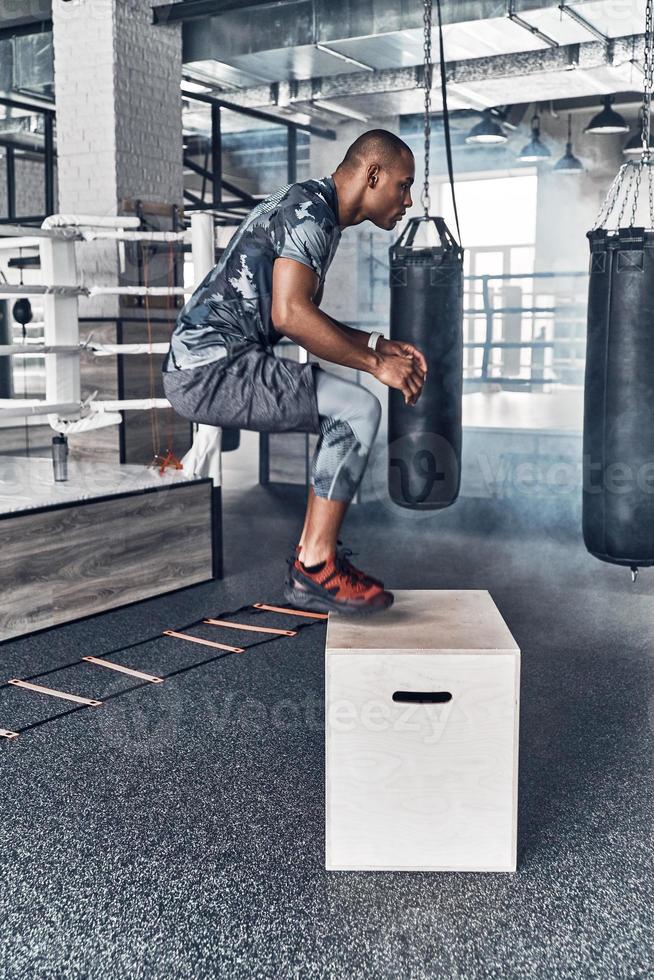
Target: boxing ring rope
<point x="36" y="406"/>
<point x="10" y="290"/>
<point x="17" y="236"/>
<point x="100" y="350"/>
<point x="62" y="404"/>
<point x="90" y="220"/>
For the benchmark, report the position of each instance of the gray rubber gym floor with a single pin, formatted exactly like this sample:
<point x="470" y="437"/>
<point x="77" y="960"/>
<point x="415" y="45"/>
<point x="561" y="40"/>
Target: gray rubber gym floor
<point x="177" y="831"/>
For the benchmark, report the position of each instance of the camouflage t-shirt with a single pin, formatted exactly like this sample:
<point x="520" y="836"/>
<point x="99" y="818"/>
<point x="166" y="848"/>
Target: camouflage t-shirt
<point x="230" y="309"/>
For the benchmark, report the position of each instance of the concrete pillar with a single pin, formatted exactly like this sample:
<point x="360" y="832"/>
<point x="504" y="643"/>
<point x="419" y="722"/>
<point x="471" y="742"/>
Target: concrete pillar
<point x="119" y="140"/>
<point x="119" y="117"/>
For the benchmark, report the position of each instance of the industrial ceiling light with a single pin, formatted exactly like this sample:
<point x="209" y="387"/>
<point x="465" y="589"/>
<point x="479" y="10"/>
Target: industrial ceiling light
<point x="486" y="130"/>
<point x="634" y="146"/>
<point x="569" y="164"/>
<point x="534" y="151"/>
<point x="607" y="121"/>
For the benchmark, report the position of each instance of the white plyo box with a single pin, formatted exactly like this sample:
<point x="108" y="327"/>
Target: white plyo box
<point x="421" y="736"/>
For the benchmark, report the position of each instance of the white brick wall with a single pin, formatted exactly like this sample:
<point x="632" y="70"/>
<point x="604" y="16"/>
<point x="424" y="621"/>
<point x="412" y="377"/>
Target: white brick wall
<point x="119" y="126"/>
<point x="119" y="118"/>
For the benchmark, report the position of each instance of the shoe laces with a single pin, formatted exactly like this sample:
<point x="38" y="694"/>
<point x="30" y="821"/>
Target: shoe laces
<point x="352" y="574"/>
<point x="345" y="556"/>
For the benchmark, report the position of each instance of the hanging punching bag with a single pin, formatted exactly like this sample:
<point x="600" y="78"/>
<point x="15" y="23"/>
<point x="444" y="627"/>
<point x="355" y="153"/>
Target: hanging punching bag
<point x="618" y="470"/>
<point x="618" y="486"/>
<point x="424" y="460"/>
<point x="424" y="440"/>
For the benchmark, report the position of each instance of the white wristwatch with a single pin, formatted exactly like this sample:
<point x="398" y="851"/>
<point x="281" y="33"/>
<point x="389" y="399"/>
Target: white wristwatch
<point x="373" y="339"/>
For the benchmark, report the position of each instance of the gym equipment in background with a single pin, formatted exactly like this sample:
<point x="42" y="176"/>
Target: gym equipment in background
<point x="424" y="461"/>
<point x="618" y="446"/>
<point x="424" y="440"/>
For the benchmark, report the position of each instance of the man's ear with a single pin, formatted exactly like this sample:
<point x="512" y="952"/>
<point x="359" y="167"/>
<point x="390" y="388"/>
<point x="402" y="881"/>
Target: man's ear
<point x="373" y="174"/>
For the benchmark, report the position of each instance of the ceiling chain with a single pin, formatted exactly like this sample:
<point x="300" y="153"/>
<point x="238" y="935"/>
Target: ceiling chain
<point x="627" y="184"/>
<point x="427" y="78"/>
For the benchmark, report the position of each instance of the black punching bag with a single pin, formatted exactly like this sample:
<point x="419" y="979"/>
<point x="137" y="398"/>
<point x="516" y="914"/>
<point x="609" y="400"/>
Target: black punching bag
<point x="424" y="440"/>
<point x="618" y="484"/>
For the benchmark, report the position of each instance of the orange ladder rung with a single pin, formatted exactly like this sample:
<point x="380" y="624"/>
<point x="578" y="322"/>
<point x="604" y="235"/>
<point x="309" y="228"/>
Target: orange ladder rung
<point x="254" y="629"/>
<point x="55" y="694"/>
<point x="124" y="670"/>
<point x="289" y="612"/>
<point x="206" y="643"/>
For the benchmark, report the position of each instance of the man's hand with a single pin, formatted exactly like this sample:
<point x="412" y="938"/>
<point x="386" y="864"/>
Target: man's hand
<point x="400" y="349"/>
<point x="416" y="373"/>
<point x="401" y="371"/>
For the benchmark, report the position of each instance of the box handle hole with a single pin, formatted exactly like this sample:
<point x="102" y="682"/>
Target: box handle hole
<point x="422" y="697"/>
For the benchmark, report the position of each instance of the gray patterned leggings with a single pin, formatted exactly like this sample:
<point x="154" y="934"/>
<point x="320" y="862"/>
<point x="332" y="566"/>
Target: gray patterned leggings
<point x="349" y="419"/>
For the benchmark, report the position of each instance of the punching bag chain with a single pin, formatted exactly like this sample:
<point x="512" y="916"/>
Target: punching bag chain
<point x="427" y="77"/>
<point x="648" y="81"/>
<point x="625" y="188"/>
<point x="644" y="120"/>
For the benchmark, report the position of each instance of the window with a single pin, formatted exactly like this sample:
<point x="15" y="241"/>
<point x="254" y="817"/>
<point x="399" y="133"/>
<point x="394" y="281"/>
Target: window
<point x="498" y="226"/>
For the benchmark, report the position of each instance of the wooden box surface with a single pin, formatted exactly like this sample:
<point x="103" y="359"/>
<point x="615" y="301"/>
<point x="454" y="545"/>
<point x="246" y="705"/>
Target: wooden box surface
<point x="421" y="723"/>
<point x="77" y="558"/>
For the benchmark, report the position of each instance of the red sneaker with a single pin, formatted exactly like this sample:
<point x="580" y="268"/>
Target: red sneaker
<point x="333" y="587"/>
<point x="344" y="554"/>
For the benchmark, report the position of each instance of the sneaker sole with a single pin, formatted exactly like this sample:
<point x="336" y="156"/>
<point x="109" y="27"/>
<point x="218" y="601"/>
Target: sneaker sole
<point x="302" y="599"/>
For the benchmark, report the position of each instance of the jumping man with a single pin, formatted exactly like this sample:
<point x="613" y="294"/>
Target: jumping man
<point x="221" y="369"/>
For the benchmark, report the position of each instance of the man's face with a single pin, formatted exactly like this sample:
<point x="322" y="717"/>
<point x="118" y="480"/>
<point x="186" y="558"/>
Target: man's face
<point x="389" y="191"/>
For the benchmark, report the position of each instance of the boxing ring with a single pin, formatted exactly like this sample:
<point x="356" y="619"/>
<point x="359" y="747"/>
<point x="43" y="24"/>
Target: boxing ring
<point x="112" y="533"/>
<point x="56" y="242"/>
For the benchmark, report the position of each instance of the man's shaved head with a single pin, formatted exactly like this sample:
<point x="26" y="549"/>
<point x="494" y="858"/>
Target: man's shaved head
<point x="373" y="181"/>
<point x="376" y="146"/>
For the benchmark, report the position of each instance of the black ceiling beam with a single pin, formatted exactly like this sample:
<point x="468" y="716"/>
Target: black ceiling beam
<point x="28" y="149"/>
<point x="29" y="106"/>
<point x="23" y="28"/>
<point x="328" y="134"/>
<point x="167" y="13"/>
<point x="193" y="198"/>
<point x="244" y="197"/>
<point x="25" y="262"/>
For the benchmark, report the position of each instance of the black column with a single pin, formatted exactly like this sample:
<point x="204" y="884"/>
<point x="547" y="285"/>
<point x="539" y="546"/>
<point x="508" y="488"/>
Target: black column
<point x="216" y="155"/>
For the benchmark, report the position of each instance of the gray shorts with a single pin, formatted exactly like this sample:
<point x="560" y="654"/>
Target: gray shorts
<point x="251" y="390"/>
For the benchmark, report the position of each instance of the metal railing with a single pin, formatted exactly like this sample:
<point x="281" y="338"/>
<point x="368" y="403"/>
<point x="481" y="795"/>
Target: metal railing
<point x="574" y="313"/>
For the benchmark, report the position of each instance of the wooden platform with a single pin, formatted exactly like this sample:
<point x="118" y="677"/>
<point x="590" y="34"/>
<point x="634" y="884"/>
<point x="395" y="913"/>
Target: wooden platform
<point x="421" y="713"/>
<point x="108" y="536"/>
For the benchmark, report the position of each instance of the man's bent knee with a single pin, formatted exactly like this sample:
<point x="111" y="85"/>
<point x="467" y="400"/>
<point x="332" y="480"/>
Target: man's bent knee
<point x="365" y="417"/>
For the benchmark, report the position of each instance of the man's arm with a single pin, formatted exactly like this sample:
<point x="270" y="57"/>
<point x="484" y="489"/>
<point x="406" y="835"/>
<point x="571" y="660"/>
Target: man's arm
<point x="294" y="313"/>
<point x="384" y="346"/>
<point x="359" y="337"/>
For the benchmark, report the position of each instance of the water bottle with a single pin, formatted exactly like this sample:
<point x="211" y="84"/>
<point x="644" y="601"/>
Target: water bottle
<point x="60" y="457"/>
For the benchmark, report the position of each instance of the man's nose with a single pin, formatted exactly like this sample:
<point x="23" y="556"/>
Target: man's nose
<point x="409" y="203"/>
